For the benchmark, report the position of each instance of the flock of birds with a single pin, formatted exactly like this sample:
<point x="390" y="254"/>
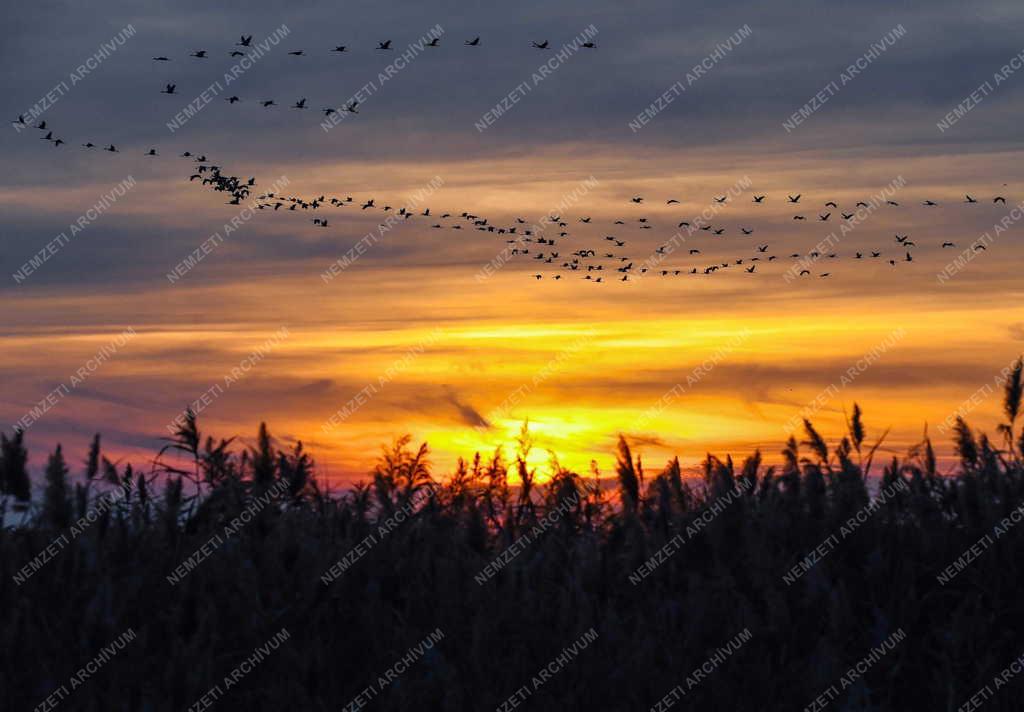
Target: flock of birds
<point x="245" y="41"/>
<point x="384" y="46"/>
<point x="603" y="262"/>
<point x="597" y="264"/>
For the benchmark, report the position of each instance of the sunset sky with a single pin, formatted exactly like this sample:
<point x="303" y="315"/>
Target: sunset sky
<point x="411" y="332"/>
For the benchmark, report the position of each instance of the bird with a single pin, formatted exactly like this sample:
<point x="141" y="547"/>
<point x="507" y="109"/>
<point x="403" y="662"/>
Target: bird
<point x="112" y="148"/>
<point x="300" y="104"/>
<point x="672" y="201"/>
<point x="340" y="48"/>
<point x="58" y="142"/>
<point x="236" y="53"/>
<point x="384" y="45"/>
<point x="751" y="268"/>
<point x="760" y="198"/>
<point x="929" y="203"/>
<point x="297" y="53"/>
<point x="746" y="231"/>
<point x="161" y="59"/>
<point x="638" y="200"/>
<point x="540" y="45"/>
<point x="232" y="100"/>
<point x="999" y="199"/>
<point x="794" y="198"/>
<point x="824" y="217"/>
<point x="473" y="42"/>
<point x="89" y="144"/>
<point x="244" y="41"/>
<point x="588" y="45"/>
<point x="969" y="199"/>
<point x="721" y="199"/>
<point x="152" y="152"/>
<point x="169" y="89"/>
<point x="268" y="102"/>
<point x="199" y="54"/>
<point x="948" y="244"/>
<point x="831" y="204"/>
<point x="433" y="42"/>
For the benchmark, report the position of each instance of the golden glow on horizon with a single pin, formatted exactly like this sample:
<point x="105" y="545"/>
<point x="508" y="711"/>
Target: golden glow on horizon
<point x="582" y="364"/>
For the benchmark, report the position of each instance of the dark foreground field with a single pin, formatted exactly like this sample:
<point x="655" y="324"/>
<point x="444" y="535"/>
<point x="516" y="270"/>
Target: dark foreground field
<point x="237" y="584"/>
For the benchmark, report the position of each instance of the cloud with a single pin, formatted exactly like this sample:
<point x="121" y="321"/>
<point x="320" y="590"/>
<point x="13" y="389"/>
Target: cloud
<point x="467" y="413"/>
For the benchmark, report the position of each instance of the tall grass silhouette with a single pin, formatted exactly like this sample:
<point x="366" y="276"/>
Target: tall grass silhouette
<point x="566" y="550"/>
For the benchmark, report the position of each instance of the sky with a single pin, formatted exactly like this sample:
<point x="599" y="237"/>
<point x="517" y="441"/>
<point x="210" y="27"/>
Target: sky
<point x="440" y="333"/>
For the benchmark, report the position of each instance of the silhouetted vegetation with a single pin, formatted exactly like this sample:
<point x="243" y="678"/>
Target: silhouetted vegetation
<point x="358" y="578"/>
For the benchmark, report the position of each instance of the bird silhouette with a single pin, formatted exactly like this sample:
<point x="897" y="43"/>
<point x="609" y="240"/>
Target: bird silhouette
<point x="473" y="42"/>
<point x="200" y="54"/>
<point x="540" y="45"/>
<point x="169" y="89"/>
<point x="384" y="45"/>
